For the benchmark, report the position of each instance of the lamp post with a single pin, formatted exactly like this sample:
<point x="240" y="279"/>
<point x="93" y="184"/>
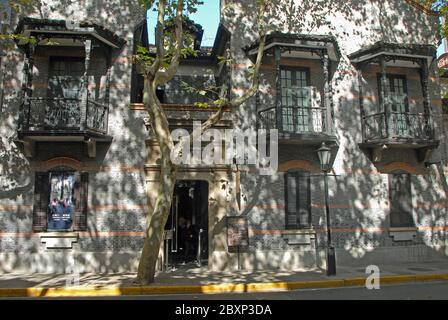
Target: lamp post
<point x="324" y="154"/>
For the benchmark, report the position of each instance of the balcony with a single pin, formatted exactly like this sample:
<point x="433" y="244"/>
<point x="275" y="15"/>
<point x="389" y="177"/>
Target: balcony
<point x="180" y="103"/>
<point x="395" y="103"/>
<point x="66" y="87"/>
<point x="297" y="95"/>
<point x="56" y="116"/>
<point x="301" y="117"/>
<point x="299" y="125"/>
<point x="410" y="128"/>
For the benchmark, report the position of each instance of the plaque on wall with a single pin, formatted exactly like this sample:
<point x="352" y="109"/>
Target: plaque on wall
<point x="237" y="234"/>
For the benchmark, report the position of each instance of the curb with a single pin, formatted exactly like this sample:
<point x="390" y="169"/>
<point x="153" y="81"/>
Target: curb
<point x="92" y="291"/>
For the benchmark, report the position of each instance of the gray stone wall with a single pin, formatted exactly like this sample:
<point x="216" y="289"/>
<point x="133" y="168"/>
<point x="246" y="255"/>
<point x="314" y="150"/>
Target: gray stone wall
<point x="359" y="197"/>
<point x="358" y="191"/>
<point x="116" y="201"/>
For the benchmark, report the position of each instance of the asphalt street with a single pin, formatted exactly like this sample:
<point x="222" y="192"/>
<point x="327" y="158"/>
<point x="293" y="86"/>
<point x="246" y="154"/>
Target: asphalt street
<point x="408" y="291"/>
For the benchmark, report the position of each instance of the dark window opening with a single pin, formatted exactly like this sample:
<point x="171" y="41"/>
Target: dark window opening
<point x="137" y="87"/>
<point x="400" y="196"/>
<point x="160" y="93"/>
<point x="65" y="77"/>
<point x="137" y="83"/>
<point x="298" y="200"/>
<point x="177" y="93"/>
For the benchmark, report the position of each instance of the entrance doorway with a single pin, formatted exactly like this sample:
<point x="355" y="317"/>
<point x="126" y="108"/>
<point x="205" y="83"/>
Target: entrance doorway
<point x="186" y="241"/>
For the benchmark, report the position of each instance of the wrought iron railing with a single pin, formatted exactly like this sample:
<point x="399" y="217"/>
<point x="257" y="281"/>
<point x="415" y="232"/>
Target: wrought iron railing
<point x="295" y="120"/>
<point x="398" y="125"/>
<point x="64" y="114"/>
<point x="97" y="116"/>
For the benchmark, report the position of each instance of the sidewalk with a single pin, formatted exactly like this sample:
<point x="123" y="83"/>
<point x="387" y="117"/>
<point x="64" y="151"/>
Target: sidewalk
<point x="190" y="279"/>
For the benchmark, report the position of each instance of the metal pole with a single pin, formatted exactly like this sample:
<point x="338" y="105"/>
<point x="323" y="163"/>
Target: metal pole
<point x="331" y="255"/>
<point x="239" y="267"/>
<point x="166" y="254"/>
<point x="198" y="256"/>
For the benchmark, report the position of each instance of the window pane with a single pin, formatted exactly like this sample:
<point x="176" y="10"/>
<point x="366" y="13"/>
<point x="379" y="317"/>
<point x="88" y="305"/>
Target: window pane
<point x="292" y="220"/>
<point x="292" y="194"/>
<point x="303" y="192"/>
<point x="298" y="200"/>
<point x="400" y="201"/>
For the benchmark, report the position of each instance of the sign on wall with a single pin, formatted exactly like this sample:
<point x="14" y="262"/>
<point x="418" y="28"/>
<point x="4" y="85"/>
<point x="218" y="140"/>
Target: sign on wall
<point x="237" y="233"/>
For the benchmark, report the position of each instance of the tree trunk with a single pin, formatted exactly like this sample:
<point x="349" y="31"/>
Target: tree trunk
<point x="154" y="232"/>
<point x="156" y="219"/>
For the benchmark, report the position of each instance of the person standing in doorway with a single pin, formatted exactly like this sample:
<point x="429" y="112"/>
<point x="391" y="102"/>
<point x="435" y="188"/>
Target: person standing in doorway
<point x="189" y="241"/>
<point x="182" y="227"/>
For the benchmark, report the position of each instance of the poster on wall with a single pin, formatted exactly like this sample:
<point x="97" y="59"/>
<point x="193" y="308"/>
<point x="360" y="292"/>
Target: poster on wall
<point x="237" y="234"/>
<point x="61" y="206"/>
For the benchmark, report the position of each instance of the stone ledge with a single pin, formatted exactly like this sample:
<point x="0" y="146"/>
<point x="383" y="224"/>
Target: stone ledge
<point x="59" y="240"/>
<point x="299" y="237"/>
<point x="403" y="234"/>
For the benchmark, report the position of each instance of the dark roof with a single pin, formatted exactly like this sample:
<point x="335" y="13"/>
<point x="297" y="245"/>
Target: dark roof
<point x="60" y="25"/>
<point x="292" y="37"/>
<point x="189" y="26"/>
<point x="207" y="53"/>
<point x="396" y="49"/>
<point x="203" y="53"/>
<point x="222" y="37"/>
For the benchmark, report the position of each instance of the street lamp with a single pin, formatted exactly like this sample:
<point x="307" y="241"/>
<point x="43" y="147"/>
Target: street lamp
<point x="324" y="154"/>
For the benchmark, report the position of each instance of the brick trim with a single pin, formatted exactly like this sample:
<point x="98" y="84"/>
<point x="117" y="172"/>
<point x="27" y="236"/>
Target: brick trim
<point x="397" y="165"/>
<point x="60" y="161"/>
<point x="298" y="164"/>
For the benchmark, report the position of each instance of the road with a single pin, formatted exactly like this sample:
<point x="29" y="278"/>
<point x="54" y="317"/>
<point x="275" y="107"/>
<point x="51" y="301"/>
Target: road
<point x="408" y="291"/>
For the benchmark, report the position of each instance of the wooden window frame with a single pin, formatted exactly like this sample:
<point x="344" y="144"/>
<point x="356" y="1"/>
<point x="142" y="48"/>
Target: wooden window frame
<point x="391" y="76"/>
<point x="298" y="175"/>
<point x="292" y="111"/>
<point x="294" y="69"/>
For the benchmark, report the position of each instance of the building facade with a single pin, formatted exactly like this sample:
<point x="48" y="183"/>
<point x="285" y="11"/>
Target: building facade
<point x="80" y="165"/>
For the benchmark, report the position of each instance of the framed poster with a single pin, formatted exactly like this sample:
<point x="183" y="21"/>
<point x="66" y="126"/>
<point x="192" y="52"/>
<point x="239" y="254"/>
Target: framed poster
<point x="237" y="234"/>
<point x="62" y="201"/>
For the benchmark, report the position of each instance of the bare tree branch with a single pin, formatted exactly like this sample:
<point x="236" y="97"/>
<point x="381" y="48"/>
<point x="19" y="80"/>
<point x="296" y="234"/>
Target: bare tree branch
<point x="214" y="118"/>
<point x="163" y="76"/>
<point x="160" y="43"/>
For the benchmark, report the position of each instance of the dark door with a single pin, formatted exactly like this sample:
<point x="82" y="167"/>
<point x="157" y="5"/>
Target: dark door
<point x="171" y="226"/>
<point x="186" y="229"/>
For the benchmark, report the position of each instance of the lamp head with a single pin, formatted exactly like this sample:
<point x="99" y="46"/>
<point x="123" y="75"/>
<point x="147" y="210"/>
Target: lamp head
<point x="324" y="154"/>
